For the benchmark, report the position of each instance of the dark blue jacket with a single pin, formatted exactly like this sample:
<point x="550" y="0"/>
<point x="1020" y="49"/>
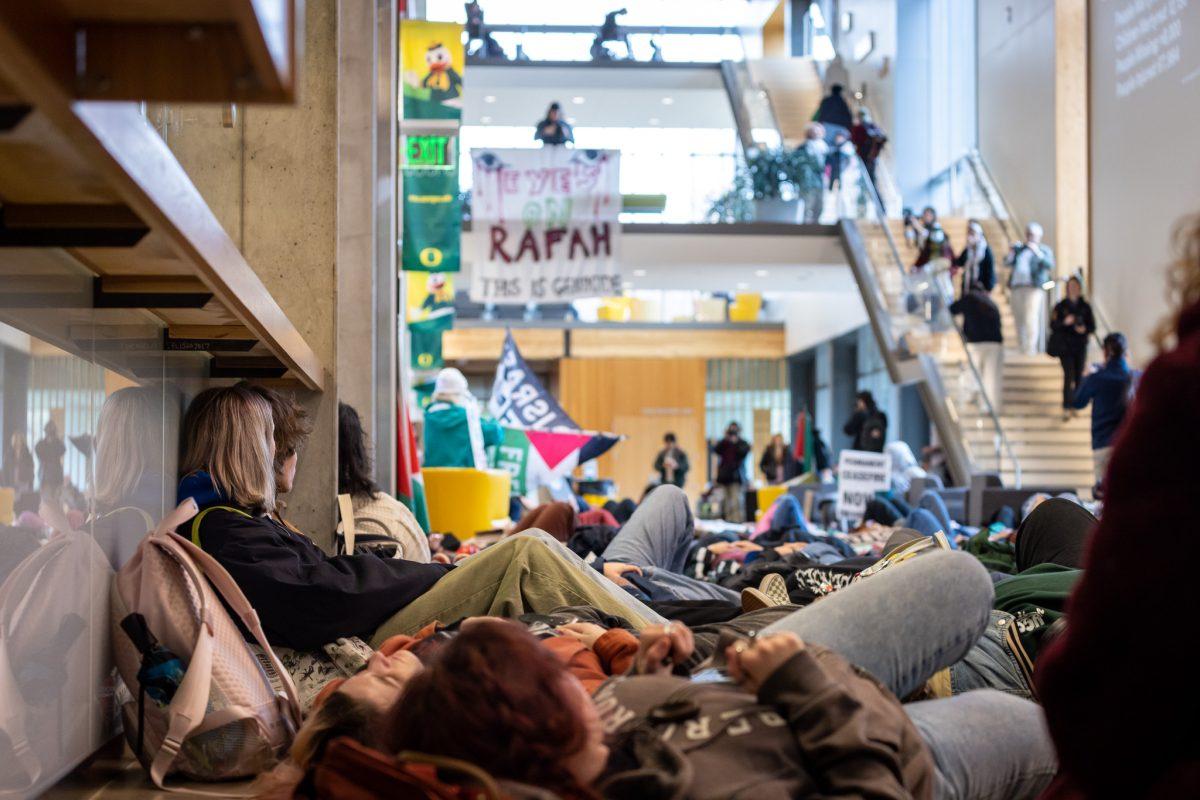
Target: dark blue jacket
<point x="1108" y="390"/>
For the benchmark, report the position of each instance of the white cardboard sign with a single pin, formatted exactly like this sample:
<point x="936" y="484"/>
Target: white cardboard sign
<point x="860" y="475"/>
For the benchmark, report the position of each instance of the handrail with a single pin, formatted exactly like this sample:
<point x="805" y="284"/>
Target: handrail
<point x="1001" y="210"/>
<point x="737" y="105"/>
<point x="946" y="300"/>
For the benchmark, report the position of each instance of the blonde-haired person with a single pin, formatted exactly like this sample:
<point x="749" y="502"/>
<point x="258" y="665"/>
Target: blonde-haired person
<point x="130" y="484"/>
<point x="306" y="598"/>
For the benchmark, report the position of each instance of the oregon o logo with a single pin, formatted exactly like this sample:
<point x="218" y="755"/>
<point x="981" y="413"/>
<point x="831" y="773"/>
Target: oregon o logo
<point x="430" y="257"/>
<point x="425" y="360"/>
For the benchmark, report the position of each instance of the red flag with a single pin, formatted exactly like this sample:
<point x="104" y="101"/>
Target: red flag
<point x="410" y="487"/>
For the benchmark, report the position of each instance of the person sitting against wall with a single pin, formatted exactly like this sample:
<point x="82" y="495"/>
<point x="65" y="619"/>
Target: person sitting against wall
<point x="1109" y="388"/>
<point x="806" y="707"/>
<point x="1071" y="323"/>
<point x="374" y="511"/>
<point x="455" y="434"/>
<point x="307" y="598"/>
<point x="777" y="464"/>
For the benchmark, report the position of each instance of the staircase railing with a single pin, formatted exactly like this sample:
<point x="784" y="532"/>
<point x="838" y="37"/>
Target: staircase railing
<point x="928" y="295"/>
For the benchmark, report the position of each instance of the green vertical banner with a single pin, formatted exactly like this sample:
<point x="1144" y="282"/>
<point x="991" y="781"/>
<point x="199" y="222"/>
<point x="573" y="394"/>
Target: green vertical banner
<point x="432" y="220"/>
<point x="427" y="341"/>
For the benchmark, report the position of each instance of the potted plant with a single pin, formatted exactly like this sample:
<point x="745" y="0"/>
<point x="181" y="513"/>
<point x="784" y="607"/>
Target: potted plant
<point x="767" y="186"/>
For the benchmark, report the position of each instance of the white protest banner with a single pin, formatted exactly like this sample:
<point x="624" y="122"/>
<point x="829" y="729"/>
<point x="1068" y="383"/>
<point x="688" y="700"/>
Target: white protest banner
<point x="860" y="475"/>
<point x="545" y="225"/>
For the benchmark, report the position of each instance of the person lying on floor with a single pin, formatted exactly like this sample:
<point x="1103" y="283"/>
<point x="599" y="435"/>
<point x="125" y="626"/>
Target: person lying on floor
<point x="807" y="708"/>
<point x="306" y="598"/>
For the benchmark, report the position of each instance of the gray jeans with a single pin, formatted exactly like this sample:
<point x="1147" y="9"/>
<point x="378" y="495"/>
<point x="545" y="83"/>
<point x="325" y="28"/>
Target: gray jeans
<point x="657" y="538"/>
<point x="906" y="623"/>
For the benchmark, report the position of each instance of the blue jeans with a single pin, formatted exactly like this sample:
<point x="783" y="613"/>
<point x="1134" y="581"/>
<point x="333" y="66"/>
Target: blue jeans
<point x="931" y="516"/>
<point x="991" y="664"/>
<point x="657" y="538"/>
<point x="789" y="514"/>
<point x="906" y="623"/>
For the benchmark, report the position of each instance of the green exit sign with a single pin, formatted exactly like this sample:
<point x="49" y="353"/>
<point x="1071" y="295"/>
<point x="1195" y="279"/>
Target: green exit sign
<point x="429" y="151"/>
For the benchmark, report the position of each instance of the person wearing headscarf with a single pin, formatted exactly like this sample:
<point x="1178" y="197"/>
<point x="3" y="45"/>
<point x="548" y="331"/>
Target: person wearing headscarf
<point x="976" y="259"/>
<point x="455" y="434"/>
<point x="904" y="466"/>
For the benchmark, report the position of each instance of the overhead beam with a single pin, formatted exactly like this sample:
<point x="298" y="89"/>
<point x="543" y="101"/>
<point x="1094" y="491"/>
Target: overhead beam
<point x="115" y="338"/>
<point x="45" y="291"/>
<point x="209" y="338"/>
<point x="223" y="366"/>
<point x="150" y="291"/>
<point x="174" y="51"/>
<point x="69" y="225"/>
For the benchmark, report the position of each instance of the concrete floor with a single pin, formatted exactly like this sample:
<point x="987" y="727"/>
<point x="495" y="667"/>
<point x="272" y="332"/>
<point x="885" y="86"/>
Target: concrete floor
<point x="116" y="775"/>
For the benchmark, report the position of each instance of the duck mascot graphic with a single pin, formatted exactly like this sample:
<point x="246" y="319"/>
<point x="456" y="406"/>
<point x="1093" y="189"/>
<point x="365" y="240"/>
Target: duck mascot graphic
<point x="442" y="81"/>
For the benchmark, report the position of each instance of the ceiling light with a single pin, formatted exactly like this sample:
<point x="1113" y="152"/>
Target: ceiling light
<point x="743" y="285"/>
<point x="761" y="273"/>
<point x="654" y="120"/>
<point x="668" y="101"/>
<point x="485" y="120"/>
<point x="577" y="100"/>
<point x="639" y="273"/>
<point x="489" y="98"/>
<point x="627" y="285"/>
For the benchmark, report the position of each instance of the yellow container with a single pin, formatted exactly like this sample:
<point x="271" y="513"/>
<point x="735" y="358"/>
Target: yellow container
<point x="466" y="501"/>
<point x="766" y="496"/>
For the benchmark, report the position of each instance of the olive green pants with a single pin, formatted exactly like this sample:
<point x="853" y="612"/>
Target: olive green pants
<point x="531" y="573"/>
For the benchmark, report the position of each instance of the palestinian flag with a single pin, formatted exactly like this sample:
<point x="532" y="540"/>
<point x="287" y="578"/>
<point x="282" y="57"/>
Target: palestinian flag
<point x="537" y="457"/>
<point x="410" y="486"/>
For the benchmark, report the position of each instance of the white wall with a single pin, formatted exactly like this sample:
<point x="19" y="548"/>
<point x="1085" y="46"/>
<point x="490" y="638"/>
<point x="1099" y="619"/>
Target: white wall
<point x="1144" y="160"/>
<point x="1016" y="103"/>
<point x="814" y="317"/>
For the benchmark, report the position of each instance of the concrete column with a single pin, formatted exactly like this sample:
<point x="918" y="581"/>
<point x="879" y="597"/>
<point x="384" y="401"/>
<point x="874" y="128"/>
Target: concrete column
<point x="366" y="222"/>
<point x="1071" y="179"/>
<point x="290" y="224"/>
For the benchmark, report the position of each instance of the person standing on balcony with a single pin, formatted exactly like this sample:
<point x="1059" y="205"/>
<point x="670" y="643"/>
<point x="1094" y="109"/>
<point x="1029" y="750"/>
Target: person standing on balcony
<point x="554" y="129"/>
<point x="834" y="110"/>
<point x="985" y="341"/>
<point x="1032" y="265"/>
<point x="976" y="260"/>
<point x="671" y="464"/>
<point x="868" y="426"/>
<point x="1071" y="323"/>
<point x="868" y="139"/>
<point x="810" y="172"/>
<point x="731" y="455"/>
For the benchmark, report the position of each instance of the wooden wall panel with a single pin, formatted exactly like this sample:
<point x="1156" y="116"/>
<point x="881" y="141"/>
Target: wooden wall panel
<point x="678" y="343"/>
<point x="484" y="343"/>
<point x="648" y="397"/>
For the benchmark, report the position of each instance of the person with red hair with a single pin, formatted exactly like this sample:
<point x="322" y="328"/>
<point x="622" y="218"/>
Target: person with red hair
<point x="808" y="708"/>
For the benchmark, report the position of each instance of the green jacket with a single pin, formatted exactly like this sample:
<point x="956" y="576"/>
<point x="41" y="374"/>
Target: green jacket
<point x="448" y="438"/>
<point x="1037" y="598"/>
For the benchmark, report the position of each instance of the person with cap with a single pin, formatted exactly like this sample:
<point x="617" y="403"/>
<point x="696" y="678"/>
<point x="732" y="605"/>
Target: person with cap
<point x="554" y="129"/>
<point x="455" y="434"/>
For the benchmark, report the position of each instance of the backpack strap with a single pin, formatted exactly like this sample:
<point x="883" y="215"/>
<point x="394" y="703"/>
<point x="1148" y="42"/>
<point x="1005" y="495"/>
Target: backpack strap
<point x="200" y="518"/>
<point x="346" y="510"/>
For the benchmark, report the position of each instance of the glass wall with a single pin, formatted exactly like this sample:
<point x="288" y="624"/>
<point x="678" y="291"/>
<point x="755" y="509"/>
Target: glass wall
<point x="754" y="393"/>
<point x="89" y="420"/>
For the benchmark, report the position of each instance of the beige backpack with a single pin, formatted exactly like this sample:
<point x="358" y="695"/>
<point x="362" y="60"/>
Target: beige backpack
<point x="235" y="710"/>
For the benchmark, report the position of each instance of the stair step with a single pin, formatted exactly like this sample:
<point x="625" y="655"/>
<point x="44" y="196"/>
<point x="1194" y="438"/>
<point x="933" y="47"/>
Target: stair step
<point x="1080" y="481"/>
<point x="1028" y="423"/>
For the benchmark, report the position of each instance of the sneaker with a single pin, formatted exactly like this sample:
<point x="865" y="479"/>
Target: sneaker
<point x="772" y="591"/>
